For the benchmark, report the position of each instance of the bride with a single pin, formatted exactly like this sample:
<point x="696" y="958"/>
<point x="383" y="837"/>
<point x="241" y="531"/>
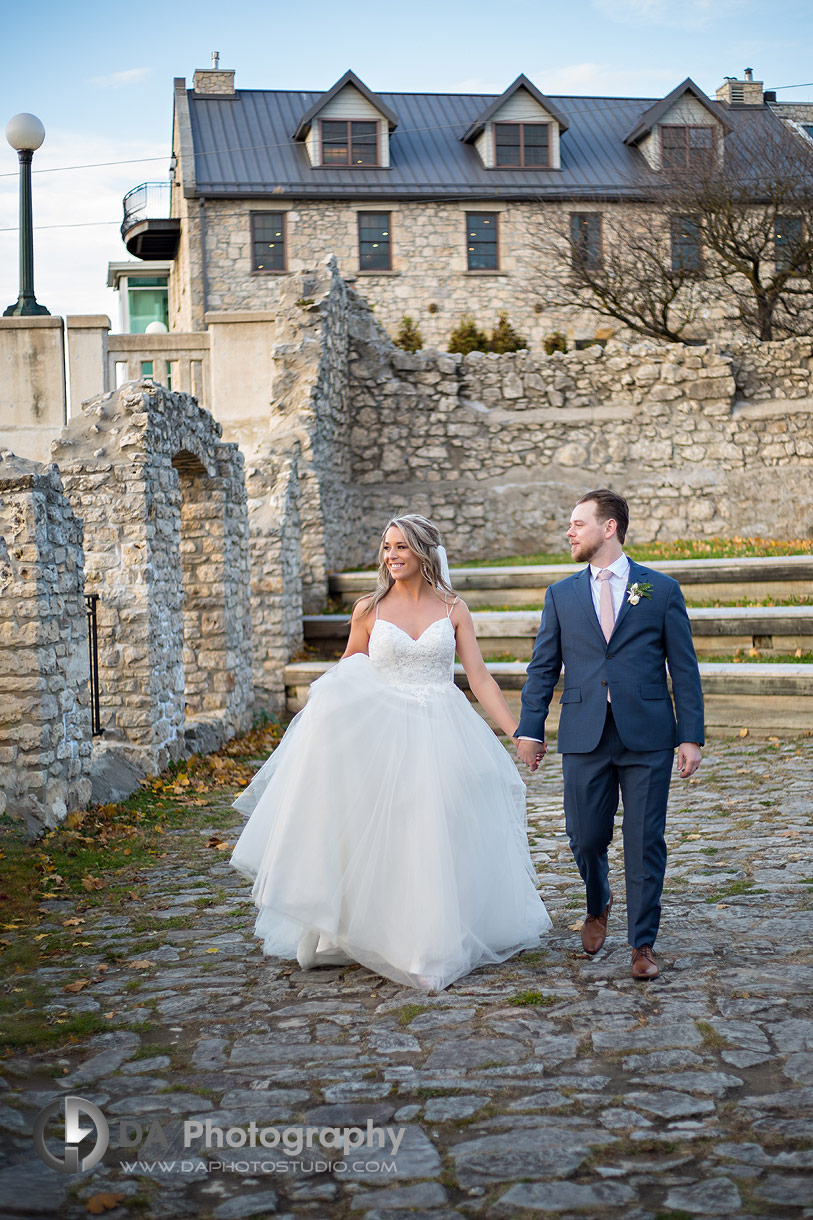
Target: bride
<point x="388" y="827"/>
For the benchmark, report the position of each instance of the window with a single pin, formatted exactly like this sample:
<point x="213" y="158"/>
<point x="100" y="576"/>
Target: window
<point x="686" y="147"/>
<point x="687" y="254"/>
<point x="268" y="241"/>
<point x="481" y="241"/>
<point x="349" y="143"/>
<point x="147" y="301"/>
<point x="585" y="239"/>
<point x="522" y="145"/>
<point x="788" y="236"/>
<point x="374" y="241"/>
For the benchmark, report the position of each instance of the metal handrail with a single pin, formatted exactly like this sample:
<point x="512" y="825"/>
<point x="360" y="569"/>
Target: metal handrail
<point x="149" y="201"/>
<point x="91" y="604"/>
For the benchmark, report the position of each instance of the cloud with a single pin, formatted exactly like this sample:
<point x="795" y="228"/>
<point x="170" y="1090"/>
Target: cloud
<point x="691" y="14"/>
<point x="120" y="80"/>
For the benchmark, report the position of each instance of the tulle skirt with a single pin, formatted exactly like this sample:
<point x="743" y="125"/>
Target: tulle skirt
<point x="389" y="829"/>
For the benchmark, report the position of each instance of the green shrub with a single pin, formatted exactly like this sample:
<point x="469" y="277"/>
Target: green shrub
<point x="504" y="338"/>
<point x="555" y="342"/>
<point x="467" y="337"/>
<point x="408" y="336"/>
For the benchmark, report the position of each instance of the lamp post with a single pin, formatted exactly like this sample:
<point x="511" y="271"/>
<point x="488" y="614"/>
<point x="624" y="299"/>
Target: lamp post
<point x="25" y="133"/>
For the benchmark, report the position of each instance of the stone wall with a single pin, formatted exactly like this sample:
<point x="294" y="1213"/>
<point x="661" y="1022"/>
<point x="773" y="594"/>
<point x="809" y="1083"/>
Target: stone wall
<point x="702" y="440"/>
<point x="429" y="280"/>
<point x="276" y="571"/>
<point x="311" y="418"/>
<point x="44" y="709"/>
<point x="166" y="548"/>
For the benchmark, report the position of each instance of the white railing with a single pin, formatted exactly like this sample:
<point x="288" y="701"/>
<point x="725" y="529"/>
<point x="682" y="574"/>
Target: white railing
<point x="178" y="361"/>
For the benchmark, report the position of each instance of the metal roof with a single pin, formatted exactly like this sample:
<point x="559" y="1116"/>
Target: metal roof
<point x="243" y="149"/>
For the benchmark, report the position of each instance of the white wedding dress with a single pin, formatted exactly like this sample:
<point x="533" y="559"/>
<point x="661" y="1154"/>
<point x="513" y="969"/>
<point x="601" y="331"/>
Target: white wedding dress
<point x="388" y="827"/>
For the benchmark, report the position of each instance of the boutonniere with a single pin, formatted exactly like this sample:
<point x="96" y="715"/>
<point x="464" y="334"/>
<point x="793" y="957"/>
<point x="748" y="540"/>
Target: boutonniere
<point x="638" y="590"/>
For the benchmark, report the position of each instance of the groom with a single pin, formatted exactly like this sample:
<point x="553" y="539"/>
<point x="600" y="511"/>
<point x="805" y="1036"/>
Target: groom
<point x="615" y="625"/>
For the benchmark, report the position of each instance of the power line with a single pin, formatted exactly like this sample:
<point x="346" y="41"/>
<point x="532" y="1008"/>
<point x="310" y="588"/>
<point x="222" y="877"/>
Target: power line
<point x="85" y="224"/>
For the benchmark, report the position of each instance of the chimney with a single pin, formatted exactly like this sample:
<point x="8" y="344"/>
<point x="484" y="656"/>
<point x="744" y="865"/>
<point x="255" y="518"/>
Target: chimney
<point x="214" y="81"/>
<point x="745" y="92"/>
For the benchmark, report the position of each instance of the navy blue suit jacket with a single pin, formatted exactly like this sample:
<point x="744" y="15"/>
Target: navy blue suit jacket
<point x="646" y="637"/>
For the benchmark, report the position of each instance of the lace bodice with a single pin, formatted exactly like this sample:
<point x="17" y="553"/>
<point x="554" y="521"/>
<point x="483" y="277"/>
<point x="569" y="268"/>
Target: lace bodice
<point x="421" y="666"/>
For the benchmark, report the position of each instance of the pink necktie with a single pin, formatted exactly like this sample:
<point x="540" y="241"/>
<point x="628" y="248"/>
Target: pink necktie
<point x="606" y="612"/>
<point x="605" y="608"/>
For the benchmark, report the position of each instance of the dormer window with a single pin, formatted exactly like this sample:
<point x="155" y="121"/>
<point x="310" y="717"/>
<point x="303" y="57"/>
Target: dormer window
<point x="520" y="129"/>
<point x="684" y="147"/>
<point x="522" y="145"/>
<point x="347" y="142"/>
<point x="685" y="130"/>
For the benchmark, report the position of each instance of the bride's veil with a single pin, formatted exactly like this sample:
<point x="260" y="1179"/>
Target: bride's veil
<point x="444" y="571"/>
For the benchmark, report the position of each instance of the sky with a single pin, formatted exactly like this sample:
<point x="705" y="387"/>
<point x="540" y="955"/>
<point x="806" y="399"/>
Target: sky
<point x="99" y="74"/>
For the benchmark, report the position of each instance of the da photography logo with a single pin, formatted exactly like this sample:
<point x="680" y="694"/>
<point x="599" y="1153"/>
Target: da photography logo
<point x="75" y="1133"/>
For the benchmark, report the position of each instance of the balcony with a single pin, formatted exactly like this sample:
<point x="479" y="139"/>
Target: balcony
<point x="148" y="230"/>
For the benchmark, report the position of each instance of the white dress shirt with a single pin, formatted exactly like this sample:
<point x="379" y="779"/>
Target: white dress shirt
<point x="618" y="584"/>
<point x="618" y="587"/>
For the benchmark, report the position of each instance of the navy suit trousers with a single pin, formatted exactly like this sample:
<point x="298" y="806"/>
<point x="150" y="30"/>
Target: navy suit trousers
<point x="592" y="783"/>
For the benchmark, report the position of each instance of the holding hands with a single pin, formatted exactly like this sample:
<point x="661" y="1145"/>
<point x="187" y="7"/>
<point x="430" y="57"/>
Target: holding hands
<point x="531" y="752"/>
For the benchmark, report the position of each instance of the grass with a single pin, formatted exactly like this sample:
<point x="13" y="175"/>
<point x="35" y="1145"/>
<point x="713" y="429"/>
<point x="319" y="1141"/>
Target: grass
<point x="100" y="858"/>
<point x="753" y="655"/>
<point x="533" y="999"/>
<point x="711" y="1039"/>
<point x="409" y="1012"/>
<point x="687" y="548"/>
<point x="734" y="889"/>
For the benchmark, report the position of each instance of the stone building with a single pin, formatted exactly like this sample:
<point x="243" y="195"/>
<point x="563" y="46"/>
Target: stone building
<point x="432" y="203"/>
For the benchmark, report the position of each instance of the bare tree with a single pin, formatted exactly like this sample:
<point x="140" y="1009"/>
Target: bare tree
<point x="754" y="213"/>
<point x="618" y="265"/>
<point x="736" y="224"/>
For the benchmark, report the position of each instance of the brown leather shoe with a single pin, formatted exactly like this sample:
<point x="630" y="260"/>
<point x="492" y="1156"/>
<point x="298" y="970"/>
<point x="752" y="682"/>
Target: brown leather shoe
<point x="594" y="929"/>
<point x="644" y="965"/>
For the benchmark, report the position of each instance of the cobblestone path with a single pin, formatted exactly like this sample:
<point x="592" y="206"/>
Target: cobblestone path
<point x="549" y="1086"/>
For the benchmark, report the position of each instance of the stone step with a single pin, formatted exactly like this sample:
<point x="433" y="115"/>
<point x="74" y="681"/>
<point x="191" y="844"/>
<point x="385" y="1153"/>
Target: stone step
<point x="771" y="629"/>
<point x="778" y="577"/>
<point x="767" y="699"/>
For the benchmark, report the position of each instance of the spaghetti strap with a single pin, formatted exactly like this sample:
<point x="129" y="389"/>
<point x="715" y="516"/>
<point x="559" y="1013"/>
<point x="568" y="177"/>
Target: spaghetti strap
<point x="450" y="607"/>
<point x="376" y="611"/>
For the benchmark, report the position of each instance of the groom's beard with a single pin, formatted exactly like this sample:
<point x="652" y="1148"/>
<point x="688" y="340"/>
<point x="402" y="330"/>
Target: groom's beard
<point x="583" y="552"/>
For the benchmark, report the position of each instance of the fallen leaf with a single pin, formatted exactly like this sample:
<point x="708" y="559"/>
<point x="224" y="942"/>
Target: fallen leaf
<point x="73" y="922"/>
<point x="215" y="950"/>
<point x="141" y="963"/>
<point x="743" y="732"/>
<point x="77" y="986"/>
<point x="104" y="1201"/>
<point x="575" y="927"/>
<point x="92" y="883"/>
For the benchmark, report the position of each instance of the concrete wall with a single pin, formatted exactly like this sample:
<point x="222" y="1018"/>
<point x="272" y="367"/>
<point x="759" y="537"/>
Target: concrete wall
<point x="32" y="385"/>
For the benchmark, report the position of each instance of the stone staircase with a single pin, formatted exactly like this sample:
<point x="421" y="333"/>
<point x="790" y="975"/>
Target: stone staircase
<point x="763" y="697"/>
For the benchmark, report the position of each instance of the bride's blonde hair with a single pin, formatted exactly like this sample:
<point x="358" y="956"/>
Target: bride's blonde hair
<point x="423" y="539"/>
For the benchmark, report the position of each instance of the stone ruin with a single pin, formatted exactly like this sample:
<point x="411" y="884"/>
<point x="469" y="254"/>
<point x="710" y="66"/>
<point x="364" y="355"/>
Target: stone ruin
<point x="162" y="502"/>
<point x="45" y="744"/>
